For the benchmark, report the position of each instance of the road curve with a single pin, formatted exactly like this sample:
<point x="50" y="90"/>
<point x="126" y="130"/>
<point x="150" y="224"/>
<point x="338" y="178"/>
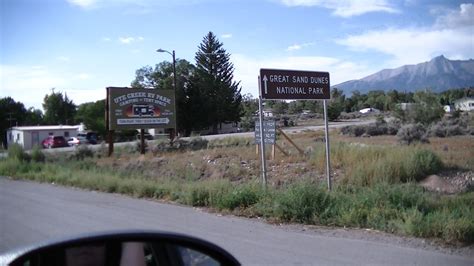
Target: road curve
<point x="32" y="212"/>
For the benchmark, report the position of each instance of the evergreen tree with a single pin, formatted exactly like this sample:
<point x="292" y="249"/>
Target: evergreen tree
<point x="336" y="104"/>
<point x="219" y="96"/>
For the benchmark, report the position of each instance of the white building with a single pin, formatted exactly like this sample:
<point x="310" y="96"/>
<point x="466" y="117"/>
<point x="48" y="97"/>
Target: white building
<point x="464" y="104"/>
<point x="30" y="136"/>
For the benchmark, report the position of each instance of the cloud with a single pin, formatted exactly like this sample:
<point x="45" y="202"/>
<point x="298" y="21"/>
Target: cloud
<point x="346" y="8"/>
<point x="226" y="36"/>
<point x="83" y="3"/>
<point x="29" y="84"/>
<point x="409" y="46"/>
<point x="131" y="6"/>
<point x="450" y="36"/>
<point x="295" y="47"/>
<point x="126" y="40"/>
<point x="247" y="68"/>
<point x="106" y="39"/>
<point x="452" y="19"/>
<point x="129" y="40"/>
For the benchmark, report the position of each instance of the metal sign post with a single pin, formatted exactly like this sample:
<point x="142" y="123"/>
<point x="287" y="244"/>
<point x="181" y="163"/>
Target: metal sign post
<point x="262" y="139"/>
<point x="328" y="163"/>
<point x="282" y="84"/>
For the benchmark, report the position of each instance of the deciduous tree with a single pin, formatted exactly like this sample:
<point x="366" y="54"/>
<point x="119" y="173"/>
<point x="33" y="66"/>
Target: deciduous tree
<point x="161" y="78"/>
<point x="59" y="109"/>
<point x="12" y="113"/>
<point x="92" y="114"/>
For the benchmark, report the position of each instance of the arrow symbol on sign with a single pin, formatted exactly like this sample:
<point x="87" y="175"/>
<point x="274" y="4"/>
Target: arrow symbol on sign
<point x="265" y="83"/>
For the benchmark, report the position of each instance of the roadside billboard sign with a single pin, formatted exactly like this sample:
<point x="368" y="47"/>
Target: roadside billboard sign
<point x="269" y="132"/>
<point x="279" y="84"/>
<point x="130" y="108"/>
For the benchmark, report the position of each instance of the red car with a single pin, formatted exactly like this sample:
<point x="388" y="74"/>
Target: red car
<point x="54" y="142"/>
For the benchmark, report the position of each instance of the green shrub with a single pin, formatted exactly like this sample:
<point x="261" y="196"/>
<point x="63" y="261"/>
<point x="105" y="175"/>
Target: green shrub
<point x="197" y="195"/>
<point x="197" y="143"/>
<point x="10" y="167"/>
<point x="422" y="163"/>
<point x="82" y="152"/>
<point x="15" y="151"/>
<point x="230" y="142"/>
<point x="375" y="129"/>
<point x="37" y="154"/>
<point x="207" y="193"/>
<point x="302" y="202"/>
<point x="241" y="196"/>
<point x="354" y="131"/>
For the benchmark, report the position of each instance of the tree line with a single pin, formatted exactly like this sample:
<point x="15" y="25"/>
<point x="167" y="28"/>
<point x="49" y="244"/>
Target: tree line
<point x="207" y="96"/>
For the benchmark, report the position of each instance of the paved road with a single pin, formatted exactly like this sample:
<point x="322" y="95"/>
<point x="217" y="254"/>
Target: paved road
<point x="33" y="212"/>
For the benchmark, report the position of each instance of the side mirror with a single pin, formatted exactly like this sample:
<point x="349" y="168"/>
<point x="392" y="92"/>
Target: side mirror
<point x="133" y="248"/>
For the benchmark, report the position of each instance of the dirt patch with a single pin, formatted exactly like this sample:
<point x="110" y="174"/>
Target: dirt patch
<point x="449" y="182"/>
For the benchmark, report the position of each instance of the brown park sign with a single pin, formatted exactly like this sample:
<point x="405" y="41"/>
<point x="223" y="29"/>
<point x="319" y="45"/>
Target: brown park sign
<point x="278" y="84"/>
<point x="129" y="108"/>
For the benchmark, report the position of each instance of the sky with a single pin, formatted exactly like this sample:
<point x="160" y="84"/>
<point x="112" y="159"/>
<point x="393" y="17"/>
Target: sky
<point x="80" y="47"/>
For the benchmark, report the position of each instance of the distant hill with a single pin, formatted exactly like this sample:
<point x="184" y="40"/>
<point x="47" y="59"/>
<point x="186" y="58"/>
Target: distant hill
<point x="439" y="74"/>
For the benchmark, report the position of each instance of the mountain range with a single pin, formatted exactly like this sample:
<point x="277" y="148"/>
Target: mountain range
<point x="439" y="74"/>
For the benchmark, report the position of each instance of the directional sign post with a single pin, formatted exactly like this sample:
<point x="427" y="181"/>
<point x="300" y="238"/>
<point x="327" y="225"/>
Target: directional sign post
<point x="280" y="84"/>
<point x="262" y="140"/>
<point x="269" y="132"/>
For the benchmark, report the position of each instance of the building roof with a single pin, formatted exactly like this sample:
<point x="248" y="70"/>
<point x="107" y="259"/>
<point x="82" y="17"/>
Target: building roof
<point x="39" y="128"/>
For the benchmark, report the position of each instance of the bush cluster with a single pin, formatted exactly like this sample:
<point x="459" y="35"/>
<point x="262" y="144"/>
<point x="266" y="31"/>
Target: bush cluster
<point x="375" y="129"/>
<point x="82" y="152"/>
<point x="451" y="126"/>
<point x="412" y="133"/>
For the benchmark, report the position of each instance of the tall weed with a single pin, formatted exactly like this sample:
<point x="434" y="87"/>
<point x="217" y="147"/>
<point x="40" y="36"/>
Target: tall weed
<point x="370" y="165"/>
<point x="302" y="202"/>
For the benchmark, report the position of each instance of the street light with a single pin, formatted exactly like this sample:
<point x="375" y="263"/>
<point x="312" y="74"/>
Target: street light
<point x="174" y="65"/>
<point x="174" y="83"/>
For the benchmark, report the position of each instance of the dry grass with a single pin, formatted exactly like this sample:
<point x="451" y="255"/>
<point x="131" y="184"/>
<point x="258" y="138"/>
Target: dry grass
<point x="457" y="151"/>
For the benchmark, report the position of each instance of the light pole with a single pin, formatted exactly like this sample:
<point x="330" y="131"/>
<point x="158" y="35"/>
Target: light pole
<point x="174" y="87"/>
